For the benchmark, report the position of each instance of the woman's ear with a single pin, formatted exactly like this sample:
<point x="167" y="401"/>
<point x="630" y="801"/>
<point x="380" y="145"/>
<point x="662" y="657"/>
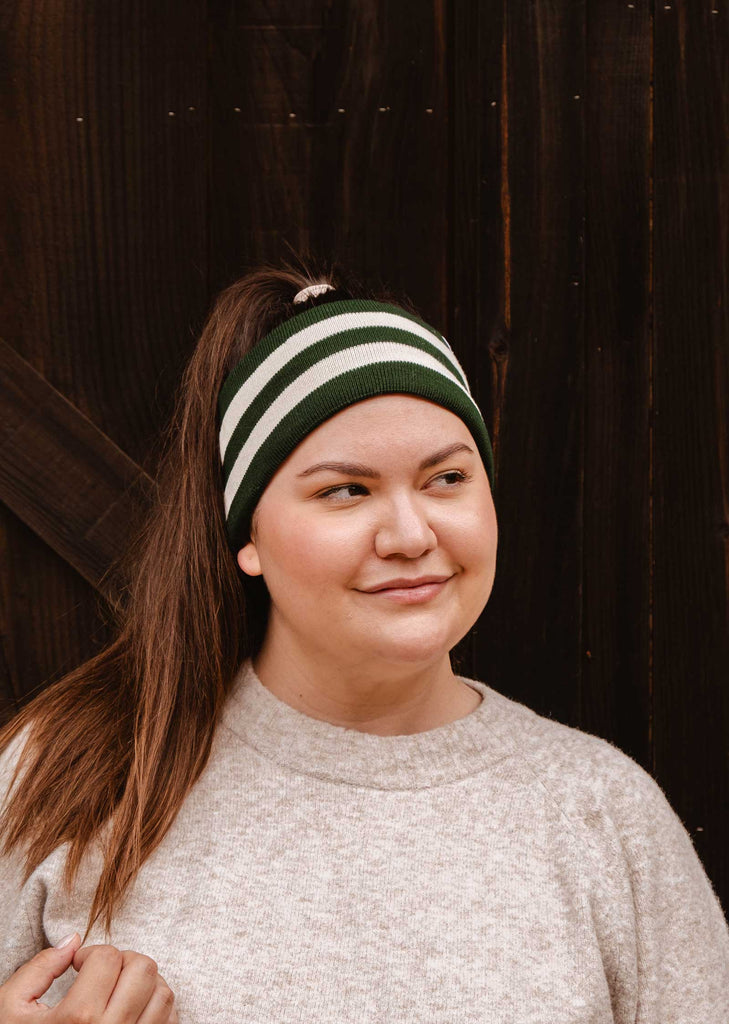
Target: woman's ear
<point x="247" y="559"/>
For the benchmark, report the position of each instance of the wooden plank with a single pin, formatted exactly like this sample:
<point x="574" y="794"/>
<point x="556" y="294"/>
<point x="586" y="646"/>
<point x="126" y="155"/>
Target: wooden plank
<point x="615" y="696"/>
<point x="106" y="203"/>
<point x="530" y="273"/>
<point x="63" y="476"/>
<point x="690" y="450"/>
<point x="104" y="216"/>
<point x="49" y="622"/>
<point x="478" y="285"/>
<point x="330" y="133"/>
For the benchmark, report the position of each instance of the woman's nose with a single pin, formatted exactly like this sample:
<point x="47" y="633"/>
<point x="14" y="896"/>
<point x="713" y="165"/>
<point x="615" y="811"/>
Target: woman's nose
<point x="404" y="529"/>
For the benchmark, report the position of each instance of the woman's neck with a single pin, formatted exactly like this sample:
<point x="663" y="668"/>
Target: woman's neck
<point x="383" y="699"/>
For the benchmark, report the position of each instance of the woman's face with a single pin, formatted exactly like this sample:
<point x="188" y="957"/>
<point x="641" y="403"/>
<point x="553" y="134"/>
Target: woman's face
<point x="383" y="494"/>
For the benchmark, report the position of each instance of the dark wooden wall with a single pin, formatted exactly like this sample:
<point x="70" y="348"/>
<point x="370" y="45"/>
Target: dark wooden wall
<point x="548" y="181"/>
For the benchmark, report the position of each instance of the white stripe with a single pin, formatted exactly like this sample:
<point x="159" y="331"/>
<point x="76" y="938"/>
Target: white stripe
<point x="302" y="340"/>
<point x="321" y="373"/>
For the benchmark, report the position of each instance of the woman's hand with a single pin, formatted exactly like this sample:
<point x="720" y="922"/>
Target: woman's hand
<point x="113" y="987"/>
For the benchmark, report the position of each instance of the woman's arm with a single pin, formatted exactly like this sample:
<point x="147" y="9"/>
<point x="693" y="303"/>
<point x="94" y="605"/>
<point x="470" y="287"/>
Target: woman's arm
<point x="21" y="918"/>
<point x="682" y="937"/>
<point x="19" y="923"/>
<point x="111" y="984"/>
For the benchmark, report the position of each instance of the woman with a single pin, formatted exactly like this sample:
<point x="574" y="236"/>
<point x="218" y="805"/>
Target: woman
<point x="271" y="795"/>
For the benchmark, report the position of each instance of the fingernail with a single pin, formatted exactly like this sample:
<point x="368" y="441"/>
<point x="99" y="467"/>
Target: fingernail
<point x="66" y="941"/>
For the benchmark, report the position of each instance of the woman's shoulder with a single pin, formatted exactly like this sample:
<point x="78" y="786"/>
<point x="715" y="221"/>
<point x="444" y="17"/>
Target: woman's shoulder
<point x="604" y="801"/>
<point x="9" y="759"/>
<point x="586" y="774"/>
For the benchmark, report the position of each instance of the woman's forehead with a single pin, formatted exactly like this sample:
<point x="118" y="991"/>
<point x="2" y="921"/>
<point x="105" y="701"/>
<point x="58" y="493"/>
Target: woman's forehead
<point x="384" y="424"/>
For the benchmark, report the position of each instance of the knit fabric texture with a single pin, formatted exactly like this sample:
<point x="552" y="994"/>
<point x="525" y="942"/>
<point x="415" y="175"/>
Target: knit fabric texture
<point x="501" y="869"/>
<point x="314" y="365"/>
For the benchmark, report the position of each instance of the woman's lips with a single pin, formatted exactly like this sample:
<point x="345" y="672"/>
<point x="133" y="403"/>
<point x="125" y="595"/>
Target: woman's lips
<point x="411" y="595"/>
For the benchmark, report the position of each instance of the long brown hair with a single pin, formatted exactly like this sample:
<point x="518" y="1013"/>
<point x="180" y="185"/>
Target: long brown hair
<point x="112" y="748"/>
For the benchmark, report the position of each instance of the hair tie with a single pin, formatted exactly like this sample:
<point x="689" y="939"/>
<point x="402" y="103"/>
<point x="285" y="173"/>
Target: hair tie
<point x="312" y="289"/>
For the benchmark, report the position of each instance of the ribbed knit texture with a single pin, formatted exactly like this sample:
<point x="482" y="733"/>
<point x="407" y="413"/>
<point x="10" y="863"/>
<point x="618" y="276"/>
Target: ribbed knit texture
<point x="314" y="365"/>
<point x="502" y="869"/>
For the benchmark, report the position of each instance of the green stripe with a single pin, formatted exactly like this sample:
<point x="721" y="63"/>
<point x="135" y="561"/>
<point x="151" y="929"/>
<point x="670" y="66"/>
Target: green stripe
<point x="271" y="341"/>
<point x="332" y="397"/>
<point x="309" y="357"/>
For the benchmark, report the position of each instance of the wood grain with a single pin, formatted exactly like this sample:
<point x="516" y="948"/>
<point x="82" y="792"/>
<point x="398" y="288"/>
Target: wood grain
<point x="616" y="690"/>
<point x="538" y="83"/>
<point x="64" y="477"/>
<point x="690" y="401"/>
<point x="329" y="133"/>
<point x="103" y="174"/>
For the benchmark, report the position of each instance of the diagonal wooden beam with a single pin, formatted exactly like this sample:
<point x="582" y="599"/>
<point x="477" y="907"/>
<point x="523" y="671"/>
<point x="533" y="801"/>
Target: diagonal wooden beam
<point x="63" y="476"/>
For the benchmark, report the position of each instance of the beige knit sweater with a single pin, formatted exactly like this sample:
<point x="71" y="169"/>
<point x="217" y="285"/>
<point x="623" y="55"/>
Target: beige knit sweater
<point x="501" y="869"/>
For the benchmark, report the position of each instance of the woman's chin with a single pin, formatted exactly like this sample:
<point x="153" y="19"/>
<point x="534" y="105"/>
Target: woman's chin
<point x="409" y="650"/>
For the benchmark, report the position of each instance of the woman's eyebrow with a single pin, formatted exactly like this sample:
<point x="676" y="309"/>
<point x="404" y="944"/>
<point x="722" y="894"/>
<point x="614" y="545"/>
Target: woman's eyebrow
<point x="445" y="453"/>
<point x="345" y="468"/>
<point x="356" y="469"/>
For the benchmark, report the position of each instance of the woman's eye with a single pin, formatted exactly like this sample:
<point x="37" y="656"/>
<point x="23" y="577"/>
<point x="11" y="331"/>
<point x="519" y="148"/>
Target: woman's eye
<point x="452" y="477"/>
<point x="343" y="491"/>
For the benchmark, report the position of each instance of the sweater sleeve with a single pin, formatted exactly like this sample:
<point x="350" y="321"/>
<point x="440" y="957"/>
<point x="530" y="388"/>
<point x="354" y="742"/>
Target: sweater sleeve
<point x="21" y="905"/>
<point x="681" y="934"/>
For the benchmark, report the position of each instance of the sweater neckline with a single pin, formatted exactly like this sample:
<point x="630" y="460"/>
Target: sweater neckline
<point x="338" y="754"/>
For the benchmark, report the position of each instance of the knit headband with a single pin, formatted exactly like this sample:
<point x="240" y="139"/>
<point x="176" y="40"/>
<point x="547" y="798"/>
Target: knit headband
<point x="315" y="364"/>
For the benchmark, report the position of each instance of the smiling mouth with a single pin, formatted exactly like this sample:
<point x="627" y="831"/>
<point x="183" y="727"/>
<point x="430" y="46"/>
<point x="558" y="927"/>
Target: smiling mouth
<point x="406" y="584"/>
<point x="411" y="592"/>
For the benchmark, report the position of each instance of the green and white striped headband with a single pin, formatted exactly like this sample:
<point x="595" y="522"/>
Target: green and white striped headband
<point x="312" y="366"/>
